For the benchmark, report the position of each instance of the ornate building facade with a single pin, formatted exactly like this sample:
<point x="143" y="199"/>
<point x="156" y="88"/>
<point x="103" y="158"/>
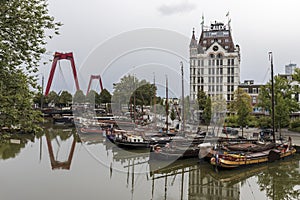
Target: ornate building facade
<point x="214" y="62"/>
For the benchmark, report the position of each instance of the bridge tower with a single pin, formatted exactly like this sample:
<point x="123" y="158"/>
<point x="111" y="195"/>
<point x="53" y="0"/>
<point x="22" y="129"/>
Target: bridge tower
<point x="94" y="77"/>
<point x="61" y="56"/>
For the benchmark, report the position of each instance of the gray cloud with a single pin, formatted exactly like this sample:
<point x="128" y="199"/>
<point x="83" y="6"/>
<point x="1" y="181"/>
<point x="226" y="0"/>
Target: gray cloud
<point x="181" y="7"/>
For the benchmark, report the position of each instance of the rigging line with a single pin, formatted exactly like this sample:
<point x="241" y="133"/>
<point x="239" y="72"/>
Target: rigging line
<point x="62" y="74"/>
<point x="267" y="72"/>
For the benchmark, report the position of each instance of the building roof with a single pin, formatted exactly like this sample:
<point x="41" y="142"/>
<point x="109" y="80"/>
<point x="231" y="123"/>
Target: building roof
<point x="217" y="32"/>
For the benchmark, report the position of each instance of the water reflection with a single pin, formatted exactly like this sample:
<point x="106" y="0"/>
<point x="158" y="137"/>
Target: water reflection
<point x="134" y="176"/>
<point x="11" y="145"/>
<point x="55" y="164"/>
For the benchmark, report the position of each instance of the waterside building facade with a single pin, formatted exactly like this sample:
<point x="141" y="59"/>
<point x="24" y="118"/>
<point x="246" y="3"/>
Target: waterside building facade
<point x="214" y="62"/>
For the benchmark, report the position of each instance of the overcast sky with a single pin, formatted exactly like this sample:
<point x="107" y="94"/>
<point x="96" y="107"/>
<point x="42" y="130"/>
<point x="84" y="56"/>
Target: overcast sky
<point x="257" y="26"/>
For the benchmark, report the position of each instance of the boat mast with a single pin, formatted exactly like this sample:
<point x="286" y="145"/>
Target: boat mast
<point x="154" y="100"/>
<point x="182" y="94"/>
<point x="167" y="105"/>
<point x="273" y="99"/>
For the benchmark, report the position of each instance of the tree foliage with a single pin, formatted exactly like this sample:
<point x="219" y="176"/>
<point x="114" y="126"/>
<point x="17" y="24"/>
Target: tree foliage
<point x="284" y="96"/>
<point x="206" y="115"/>
<point x="131" y="91"/>
<point x="24" y="26"/>
<point x="105" y="96"/>
<point x="78" y="97"/>
<point x="201" y="99"/>
<point x="241" y="105"/>
<point x="64" y="99"/>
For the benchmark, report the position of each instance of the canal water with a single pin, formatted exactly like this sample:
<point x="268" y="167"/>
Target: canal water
<point x="60" y="164"/>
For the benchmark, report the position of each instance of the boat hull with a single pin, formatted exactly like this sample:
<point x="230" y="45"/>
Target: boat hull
<point x="269" y="156"/>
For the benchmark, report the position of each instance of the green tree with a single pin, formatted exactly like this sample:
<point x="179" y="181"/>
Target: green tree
<point x="130" y="89"/>
<point x="105" y="96"/>
<point x="64" y="99"/>
<point x="78" y="97"/>
<point x="207" y="112"/>
<point x="52" y="98"/>
<point x="201" y="99"/>
<point x="285" y="104"/>
<point x="24" y="27"/>
<point x="92" y="97"/>
<point x="241" y="105"/>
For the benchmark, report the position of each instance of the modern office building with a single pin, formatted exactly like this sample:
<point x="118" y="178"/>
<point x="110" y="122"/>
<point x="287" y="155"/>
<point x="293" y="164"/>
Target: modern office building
<point x="214" y="62"/>
<point x="290" y="68"/>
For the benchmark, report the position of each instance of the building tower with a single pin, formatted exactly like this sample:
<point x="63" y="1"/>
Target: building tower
<point x="214" y="62"/>
<point x="290" y="68"/>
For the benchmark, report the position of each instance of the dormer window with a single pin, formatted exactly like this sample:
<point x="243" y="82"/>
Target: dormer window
<point x="204" y="41"/>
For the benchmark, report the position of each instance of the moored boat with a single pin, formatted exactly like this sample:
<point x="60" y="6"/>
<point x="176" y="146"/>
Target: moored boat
<point x="225" y="159"/>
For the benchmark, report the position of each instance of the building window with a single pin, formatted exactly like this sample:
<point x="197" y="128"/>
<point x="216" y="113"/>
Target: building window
<point x="226" y="47"/>
<point x="254" y="90"/>
<point x="209" y="88"/>
<point x="202" y="70"/>
<point x="219" y="40"/>
<point x="221" y="71"/>
<point x="221" y="88"/>
<point x="202" y="63"/>
<point x="202" y="80"/>
<point x="228" y="70"/>
<point x="228" y="79"/>
<point x="204" y="41"/>
<point x="213" y="79"/>
<point x="228" y="62"/>
<point x="198" y="62"/>
<point x="221" y="79"/>
<point x="212" y="41"/>
<point x="209" y="62"/>
<point x="254" y="100"/>
<point x="228" y="97"/>
<point x="226" y="40"/>
<point x="213" y="62"/>
<point x="228" y="88"/>
<point x="232" y="88"/>
<point x="221" y="62"/>
<point x="232" y="62"/>
<point x="212" y="88"/>
<point x="209" y="71"/>
<point x="218" y="62"/>
<point x="217" y="88"/>
<point x="213" y="71"/>
<point x="232" y="79"/>
<point x="209" y="79"/>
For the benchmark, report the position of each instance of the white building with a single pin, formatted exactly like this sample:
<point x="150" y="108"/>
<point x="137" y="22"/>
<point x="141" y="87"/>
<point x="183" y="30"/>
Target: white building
<point x="290" y="68"/>
<point x="214" y="62"/>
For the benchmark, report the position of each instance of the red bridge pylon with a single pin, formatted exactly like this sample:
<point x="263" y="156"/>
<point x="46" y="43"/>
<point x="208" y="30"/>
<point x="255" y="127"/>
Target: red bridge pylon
<point x="61" y="56"/>
<point x="97" y="77"/>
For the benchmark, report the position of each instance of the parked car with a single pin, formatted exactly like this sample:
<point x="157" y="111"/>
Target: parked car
<point x="230" y="130"/>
